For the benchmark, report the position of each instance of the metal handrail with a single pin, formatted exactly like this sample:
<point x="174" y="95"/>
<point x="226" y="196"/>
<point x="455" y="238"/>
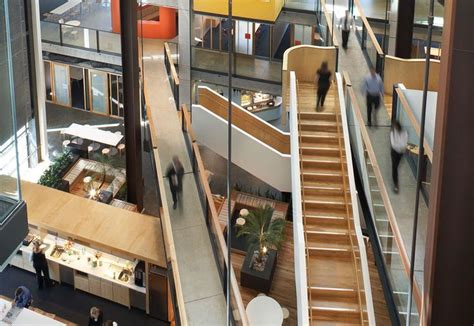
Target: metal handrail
<point x="343" y="170"/>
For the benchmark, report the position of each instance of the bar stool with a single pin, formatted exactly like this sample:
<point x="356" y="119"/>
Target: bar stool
<point x="113" y="151"/>
<point x="93" y="147"/>
<point x="286" y="313"/>
<point x="121" y="148"/>
<point x="77" y="141"/>
<point x="66" y="143"/>
<point x="106" y="151"/>
<point x="118" y="133"/>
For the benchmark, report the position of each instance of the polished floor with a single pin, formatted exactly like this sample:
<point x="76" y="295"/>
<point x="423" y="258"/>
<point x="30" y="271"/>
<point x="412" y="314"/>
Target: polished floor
<point x="67" y="303"/>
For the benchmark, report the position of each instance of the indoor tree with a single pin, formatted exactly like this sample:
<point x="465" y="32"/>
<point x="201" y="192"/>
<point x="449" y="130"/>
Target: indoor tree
<point x="263" y="232"/>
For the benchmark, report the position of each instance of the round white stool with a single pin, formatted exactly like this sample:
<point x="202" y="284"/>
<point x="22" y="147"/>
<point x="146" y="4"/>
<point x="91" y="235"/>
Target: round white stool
<point x="244" y="212"/>
<point x="240" y="221"/>
<point x="121" y="148"/>
<point x="105" y="151"/>
<point x="286" y="313"/>
<point x="118" y="133"/>
<point x="66" y="143"/>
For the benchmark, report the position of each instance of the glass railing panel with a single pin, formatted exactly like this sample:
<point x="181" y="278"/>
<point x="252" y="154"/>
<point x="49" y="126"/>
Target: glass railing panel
<point x="389" y="244"/>
<point x="110" y="42"/>
<point x="79" y="37"/>
<point x="50" y="32"/>
<point x="9" y="165"/>
<point x="251" y="67"/>
<point x="209" y="60"/>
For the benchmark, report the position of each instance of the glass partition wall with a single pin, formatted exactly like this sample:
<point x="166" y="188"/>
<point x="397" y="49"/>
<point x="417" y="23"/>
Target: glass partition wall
<point x="10" y="194"/>
<point x="91" y="90"/>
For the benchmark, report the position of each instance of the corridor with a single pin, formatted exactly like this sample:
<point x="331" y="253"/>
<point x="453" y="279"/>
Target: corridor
<point x="199" y="277"/>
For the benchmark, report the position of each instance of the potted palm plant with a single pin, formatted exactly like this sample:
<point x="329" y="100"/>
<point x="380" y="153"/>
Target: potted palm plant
<point x="264" y="237"/>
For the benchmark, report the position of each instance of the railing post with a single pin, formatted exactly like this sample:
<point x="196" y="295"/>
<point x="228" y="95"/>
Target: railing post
<point x="97" y="40"/>
<point x="60" y="34"/>
<point x="364" y="37"/>
<point x="337" y="59"/>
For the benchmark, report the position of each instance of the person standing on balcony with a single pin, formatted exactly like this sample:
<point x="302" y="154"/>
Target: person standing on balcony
<point x="323" y="76"/>
<point x="345" y="24"/>
<point x="373" y="89"/>
<point x="398" y="140"/>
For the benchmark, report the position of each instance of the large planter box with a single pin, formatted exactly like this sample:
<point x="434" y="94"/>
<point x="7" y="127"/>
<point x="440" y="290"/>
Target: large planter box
<point x="261" y="281"/>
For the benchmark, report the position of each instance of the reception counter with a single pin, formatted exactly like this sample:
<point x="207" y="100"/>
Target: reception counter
<point x="108" y="276"/>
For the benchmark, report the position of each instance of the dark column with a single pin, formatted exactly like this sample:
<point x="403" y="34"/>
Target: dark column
<point x="131" y="90"/>
<point x="449" y="267"/>
<point x="406" y="17"/>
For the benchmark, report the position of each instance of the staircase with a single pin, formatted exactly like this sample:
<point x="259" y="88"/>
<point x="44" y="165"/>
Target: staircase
<point x="334" y="292"/>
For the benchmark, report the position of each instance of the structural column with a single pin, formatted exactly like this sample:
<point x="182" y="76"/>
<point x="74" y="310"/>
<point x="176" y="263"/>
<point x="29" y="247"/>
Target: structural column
<point x="38" y="78"/>
<point x="131" y="89"/>
<point x="185" y="23"/>
<point x="405" y="21"/>
<point x="448" y="280"/>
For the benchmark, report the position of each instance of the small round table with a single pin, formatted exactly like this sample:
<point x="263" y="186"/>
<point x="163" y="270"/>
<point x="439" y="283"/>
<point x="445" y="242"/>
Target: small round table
<point x="264" y="310"/>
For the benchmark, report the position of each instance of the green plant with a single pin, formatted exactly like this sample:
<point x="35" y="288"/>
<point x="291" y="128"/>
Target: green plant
<point x="262" y="231"/>
<point x="52" y="176"/>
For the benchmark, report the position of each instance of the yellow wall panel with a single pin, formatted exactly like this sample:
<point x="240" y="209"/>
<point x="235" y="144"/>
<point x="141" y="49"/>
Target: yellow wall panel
<point x="266" y="10"/>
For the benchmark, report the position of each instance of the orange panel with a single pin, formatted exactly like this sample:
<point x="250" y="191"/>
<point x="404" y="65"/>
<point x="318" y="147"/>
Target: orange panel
<point x="165" y="28"/>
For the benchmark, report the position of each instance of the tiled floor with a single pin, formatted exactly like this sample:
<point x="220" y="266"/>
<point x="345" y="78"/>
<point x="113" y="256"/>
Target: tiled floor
<point x="198" y="272"/>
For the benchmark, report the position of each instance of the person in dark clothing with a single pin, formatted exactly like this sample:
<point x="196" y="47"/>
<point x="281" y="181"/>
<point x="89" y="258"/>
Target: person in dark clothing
<point x="96" y="317"/>
<point x="41" y="265"/>
<point x="323" y="76"/>
<point x="174" y="173"/>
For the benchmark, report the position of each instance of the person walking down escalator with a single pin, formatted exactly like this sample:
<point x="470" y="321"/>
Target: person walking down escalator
<point x="345" y="24"/>
<point x="323" y="76"/>
<point x="174" y="173"/>
<point x="41" y="265"/>
<point x="398" y="141"/>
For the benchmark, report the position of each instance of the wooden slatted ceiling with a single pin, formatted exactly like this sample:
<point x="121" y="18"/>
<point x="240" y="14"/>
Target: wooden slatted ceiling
<point x="112" y="229"/>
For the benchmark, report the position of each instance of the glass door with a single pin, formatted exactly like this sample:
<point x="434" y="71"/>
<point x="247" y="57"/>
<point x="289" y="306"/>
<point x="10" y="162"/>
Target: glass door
<point x="98" y="91"/>
<point x="62" y="92"/>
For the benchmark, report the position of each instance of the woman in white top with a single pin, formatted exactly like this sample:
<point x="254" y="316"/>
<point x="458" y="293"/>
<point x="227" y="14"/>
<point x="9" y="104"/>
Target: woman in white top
<point x="398" y="140"/>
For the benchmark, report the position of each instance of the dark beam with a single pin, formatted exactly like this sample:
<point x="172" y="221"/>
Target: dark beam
<point x="131" y="90"/>
<point x="405" y="21"/>
<point x="449" y="263"/>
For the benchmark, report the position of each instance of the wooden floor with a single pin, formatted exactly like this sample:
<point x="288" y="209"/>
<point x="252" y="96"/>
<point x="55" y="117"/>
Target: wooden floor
<point x="283" y="287"/>
<point x="333" y="291"/>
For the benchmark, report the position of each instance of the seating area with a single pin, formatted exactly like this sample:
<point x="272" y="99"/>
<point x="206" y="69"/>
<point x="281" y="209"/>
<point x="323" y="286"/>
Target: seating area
<point x="278" y="305"/>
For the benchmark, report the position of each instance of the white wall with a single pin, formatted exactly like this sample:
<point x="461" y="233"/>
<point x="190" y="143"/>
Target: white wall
<point x="249" y="153"/>
<point x="415" y="100"/>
